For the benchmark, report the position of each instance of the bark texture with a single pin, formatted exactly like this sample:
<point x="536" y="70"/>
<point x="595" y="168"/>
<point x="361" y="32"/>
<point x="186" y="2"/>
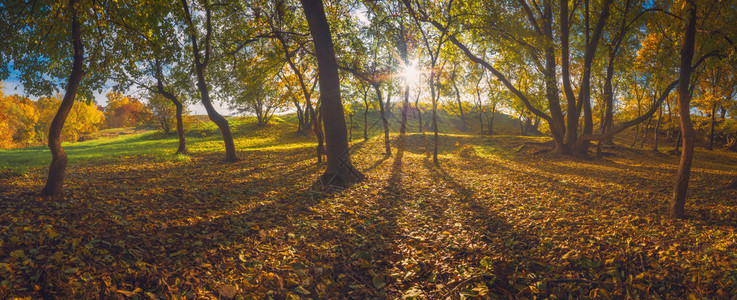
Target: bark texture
<point x="340" y="170"/>
<point x="687" y="131"/>
<point x="55" y="181"/>
<point x="200" y="63"/>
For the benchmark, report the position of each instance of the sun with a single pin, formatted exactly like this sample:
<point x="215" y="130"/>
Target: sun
<point x="410" y="74"/>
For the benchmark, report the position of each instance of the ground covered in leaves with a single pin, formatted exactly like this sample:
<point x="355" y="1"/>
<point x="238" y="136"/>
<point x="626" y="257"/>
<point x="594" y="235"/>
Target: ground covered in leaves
<point x="493" y="220"/>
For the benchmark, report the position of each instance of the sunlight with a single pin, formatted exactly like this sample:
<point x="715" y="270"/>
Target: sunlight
<point x="411" y="74"/>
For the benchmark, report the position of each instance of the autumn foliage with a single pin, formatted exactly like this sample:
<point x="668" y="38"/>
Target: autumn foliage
<point x="123" y="111"/>
<point x="24" y="122"/>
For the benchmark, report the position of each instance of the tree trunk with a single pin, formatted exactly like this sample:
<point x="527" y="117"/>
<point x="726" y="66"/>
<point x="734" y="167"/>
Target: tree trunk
<point x="435" y="129"/>
<point x="552" y="93"/>
<point x="491" y="120"/>
<point x="317" y="129"/>
<point x="180" y="121"/>
<point x="214" y="116"/>
<point x="584" y="92"/>
<point x="637" y="129"/>
<point x="365" y="115"/>
<point x="182" y="149"/>
<point x="434" y="113"/>
<point x="419" y="115"/>
<point x="405" y="107"/>
<point x="572" y="113"/>
<point x="340" y="170"/>
<point x="657" y="127"/>
<point x="481" y="121"/>
<point x="419" y="112"/>
<point x="55" y="181"/>
<point x="520" y="119"/>
<point x="608" y="122"/>
<point x="300" y="117"/>
<point x="645" y="132"/>
<point x="684" y="100"/>
<point x="670" y="119"/>
<point x="713" y="120"/>
<point x="387" y="144"/>
<point x="460" y="106"/>
<point x="480" y="106"/>
<point x="200" y="66"/>
<point x="350" y="127"/>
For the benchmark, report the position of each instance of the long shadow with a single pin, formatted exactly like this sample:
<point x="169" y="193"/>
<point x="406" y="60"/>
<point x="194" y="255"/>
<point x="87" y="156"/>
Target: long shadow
<point x="505" y="241"/>
<point x="173" y="242"/>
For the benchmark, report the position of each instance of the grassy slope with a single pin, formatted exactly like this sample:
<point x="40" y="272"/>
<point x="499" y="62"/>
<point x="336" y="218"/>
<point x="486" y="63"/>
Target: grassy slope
<point x="491" y="219"/>
<point x="204" y="137"/>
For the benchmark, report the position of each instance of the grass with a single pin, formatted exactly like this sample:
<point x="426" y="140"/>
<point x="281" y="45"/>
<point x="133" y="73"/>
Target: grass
<point x="201" y="138"/>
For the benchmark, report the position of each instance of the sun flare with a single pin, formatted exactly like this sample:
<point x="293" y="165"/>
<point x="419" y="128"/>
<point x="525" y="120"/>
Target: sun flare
<point x="411" y="75"/>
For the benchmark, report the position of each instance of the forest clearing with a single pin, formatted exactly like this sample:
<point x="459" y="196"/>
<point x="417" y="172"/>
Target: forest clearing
<point x="368" y="149"/>
<point x="492" y="220"/>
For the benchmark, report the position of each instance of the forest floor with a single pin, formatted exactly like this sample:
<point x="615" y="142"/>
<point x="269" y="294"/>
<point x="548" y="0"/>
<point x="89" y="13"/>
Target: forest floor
<point x="492" y="220"/>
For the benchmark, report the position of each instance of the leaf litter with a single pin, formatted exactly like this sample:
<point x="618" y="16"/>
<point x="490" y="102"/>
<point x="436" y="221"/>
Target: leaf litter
<point x="488" y="222"/>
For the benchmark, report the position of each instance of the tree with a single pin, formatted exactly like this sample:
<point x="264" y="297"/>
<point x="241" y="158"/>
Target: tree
<point x="524" y="33"/>
<point x="302" y="66"/>
<point x="372" y="70"/>
<point x="716" y="85"/>
<point x="154" y="58"/>
<point x="163" y="113"/>
<point x="18" y="117"/>
<point x="201" y="55"/>
<point x="340" y="170"/>
<point x="434" y="51"/>
<point x="123" y="111"/>
<point x="684" y="99"/>
<point x="262" y="100"/>
<point x="48" y="44"/>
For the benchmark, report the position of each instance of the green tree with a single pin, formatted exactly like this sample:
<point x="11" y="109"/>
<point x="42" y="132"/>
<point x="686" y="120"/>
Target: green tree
<point x="202" y="53"/>
<point x="46" y="42"/>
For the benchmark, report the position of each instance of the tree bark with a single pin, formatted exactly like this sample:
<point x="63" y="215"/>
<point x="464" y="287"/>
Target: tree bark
<point x="384" y="121"/>
<point x="460" y="105"/>
<point x="200" y="67"/>
<point x="684" y="100"/>
<point x="317" y="129"/>
<point x="584" y="93"/>
<point x="713" y="121"/>
<point x="491" y="120"/>
<point x="340" y="170"/>
<point x="405" y="107"/>
<point x="657" y="127"/>
<point x="55" y="181"/>
<point x="419" y="112"/>
<point x="300" y="118"/>
<point x="365" y="115"/>
<point x="434" y="123"/>
<point x="572" y="113"/>
<point x="350" y="127"/>
<point x="645" y="132"/>
<point x="557" y="121"/>
<point x="182" y="149"/>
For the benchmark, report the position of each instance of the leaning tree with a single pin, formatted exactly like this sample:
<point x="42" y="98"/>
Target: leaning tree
<point x="49" y="41"/>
